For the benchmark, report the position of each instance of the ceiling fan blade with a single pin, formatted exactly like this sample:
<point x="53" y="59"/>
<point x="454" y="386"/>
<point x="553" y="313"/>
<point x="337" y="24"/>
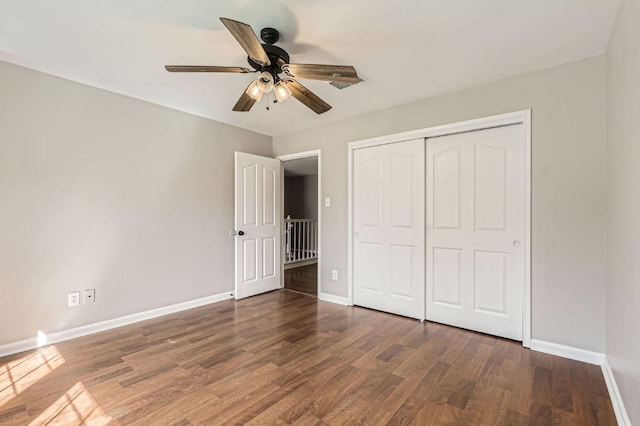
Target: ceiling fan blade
<point x="307" y="97"/>
<point x="245" y="103"/>
<point x="345" y="73"/>
<point x="205" y="68"/>
<point x="248" y="40"/>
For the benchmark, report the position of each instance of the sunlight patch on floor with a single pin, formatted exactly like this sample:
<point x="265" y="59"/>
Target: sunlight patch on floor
<point x="18" y="375"/>
<point x="75" y="407"/>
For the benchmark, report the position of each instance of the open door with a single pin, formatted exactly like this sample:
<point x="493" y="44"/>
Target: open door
<point x="257" y="224"/>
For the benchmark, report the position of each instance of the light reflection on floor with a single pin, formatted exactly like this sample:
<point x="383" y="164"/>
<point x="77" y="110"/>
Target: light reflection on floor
<point x="75" y="407"/>
<point x="18" y="375"/>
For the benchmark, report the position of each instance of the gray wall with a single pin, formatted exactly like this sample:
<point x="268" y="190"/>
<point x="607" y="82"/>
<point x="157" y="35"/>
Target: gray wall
<point x="568" y="104"/>
<point x="623" y="202"/>
<point x="301" y="197"/>
<point x="102" y="191"/>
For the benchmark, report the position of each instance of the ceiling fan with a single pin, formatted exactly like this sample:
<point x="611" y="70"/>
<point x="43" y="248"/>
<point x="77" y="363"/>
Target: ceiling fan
<point x="271" y="61"/>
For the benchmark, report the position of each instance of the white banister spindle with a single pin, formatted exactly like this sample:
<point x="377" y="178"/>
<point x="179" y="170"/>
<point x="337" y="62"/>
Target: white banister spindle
<point x="305" y="234"/>
<point x="295" y="241"/>
<point x="309" y="233"/>
<point x="301" y="240"/>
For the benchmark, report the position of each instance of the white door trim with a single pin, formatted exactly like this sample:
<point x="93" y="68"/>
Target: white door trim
<point x="295" y="156"/>
<point x="519" y="117"/>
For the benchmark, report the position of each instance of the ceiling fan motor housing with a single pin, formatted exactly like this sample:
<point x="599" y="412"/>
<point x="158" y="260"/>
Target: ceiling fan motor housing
<point x="277" y="56"/>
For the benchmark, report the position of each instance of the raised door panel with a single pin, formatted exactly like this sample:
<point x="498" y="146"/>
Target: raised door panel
<point x="490" y="282"/>
<point x="249" y="194"/>
<point x="369" y="190"/>
<point x="269" y="249"/>
<point x="447" y="275"/>
<point x="446" y="188"/>
<point x="401" y="190"/>
<point x="269" y="196"/>
<point x="490" y="175"/>
<point x="401" y="264"/>
<point x="370" y="277"/>
<point x="250" y="260"/>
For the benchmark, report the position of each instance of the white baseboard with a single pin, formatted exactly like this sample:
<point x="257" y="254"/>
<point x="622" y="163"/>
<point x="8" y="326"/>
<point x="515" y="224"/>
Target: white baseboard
<point x="72" y="333"/>
<point x="614" y="394"/>
<point x="570" y="352"/>
<point x="333" y="299"/>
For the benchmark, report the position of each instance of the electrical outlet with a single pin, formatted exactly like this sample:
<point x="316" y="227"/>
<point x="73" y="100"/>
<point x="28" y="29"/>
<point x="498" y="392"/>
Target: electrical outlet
<point x="73" y="298"/>
<point x="327" y="202"/>
<point x="334" y="275"/>
<point x="90" y="295"/>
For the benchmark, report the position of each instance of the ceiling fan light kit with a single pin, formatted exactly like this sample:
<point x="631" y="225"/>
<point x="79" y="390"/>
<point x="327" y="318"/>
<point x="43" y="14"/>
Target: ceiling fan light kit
<point x="271" y="61"/>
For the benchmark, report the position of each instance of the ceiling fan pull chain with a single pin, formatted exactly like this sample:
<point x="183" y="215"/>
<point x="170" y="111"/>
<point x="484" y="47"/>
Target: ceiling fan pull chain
<point x="274" y="101"/>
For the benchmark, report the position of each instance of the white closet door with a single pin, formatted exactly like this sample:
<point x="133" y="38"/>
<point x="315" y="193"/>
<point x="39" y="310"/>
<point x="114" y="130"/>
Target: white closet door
<point x="388" y="224"/>
<point x="476" y="230"/>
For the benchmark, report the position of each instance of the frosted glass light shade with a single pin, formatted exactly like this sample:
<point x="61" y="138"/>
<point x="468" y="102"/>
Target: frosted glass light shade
<point x="282" y="91"/>
<point x="265" y="82"/>
<point x="254" y="91"/>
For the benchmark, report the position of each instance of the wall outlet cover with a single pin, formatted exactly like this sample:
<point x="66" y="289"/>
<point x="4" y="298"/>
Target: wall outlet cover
<point x="89" y="295"/>
<point x="334" y="275"/>
<point x="73" y="298"/>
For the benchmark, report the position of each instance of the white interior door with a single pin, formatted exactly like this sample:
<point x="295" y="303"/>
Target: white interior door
<point x="257" y="224"/>
<point x="388" y="224"/>
<point x="476" y="230"/>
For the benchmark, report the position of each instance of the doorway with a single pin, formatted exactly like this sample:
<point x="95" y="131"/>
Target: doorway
<point x="301" y="222"/>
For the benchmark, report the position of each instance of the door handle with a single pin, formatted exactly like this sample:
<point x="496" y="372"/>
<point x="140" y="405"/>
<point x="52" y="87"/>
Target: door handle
<point x="516" y="243"/>
<point x="238" y="233"/>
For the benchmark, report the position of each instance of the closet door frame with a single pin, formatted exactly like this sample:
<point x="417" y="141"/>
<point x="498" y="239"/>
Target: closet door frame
<point x="519" y="117"/>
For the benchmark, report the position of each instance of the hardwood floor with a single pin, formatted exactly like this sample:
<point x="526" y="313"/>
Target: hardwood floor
<point x="286" y="358"/>
<point x="303" y="279"/>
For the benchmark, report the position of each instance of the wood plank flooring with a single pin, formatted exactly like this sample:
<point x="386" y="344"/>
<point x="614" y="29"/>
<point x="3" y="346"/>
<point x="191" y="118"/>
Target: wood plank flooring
<point x="287" y="358"/>
<point x="303" y="279"/>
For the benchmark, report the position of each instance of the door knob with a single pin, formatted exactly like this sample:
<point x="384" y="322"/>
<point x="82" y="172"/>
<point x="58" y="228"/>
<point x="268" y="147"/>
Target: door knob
<point x="235" y="233"/>
<point x="516" y="243"/>
<point x="356" y="235"/>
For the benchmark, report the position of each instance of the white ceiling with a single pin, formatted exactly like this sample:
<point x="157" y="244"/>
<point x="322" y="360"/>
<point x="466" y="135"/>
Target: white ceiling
<point x="406" y="50"/>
